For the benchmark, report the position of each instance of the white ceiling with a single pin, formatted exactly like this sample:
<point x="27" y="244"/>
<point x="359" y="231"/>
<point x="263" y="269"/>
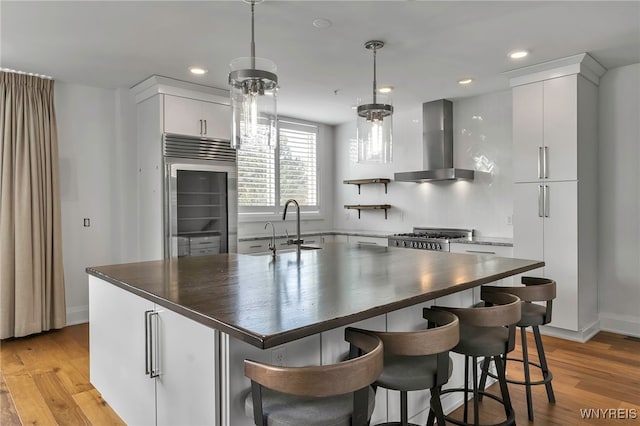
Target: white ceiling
<point x="429" y="45"/>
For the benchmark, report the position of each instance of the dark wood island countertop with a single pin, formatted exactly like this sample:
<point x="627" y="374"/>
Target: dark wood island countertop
<point x="267" y="303"/>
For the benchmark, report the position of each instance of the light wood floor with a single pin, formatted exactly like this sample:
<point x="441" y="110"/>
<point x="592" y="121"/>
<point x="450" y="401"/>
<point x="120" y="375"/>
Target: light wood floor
<point x="45" y="380"/>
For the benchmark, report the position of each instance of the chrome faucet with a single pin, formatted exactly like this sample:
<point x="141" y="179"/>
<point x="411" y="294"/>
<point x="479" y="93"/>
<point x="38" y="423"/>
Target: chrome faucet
<point x="298" y="242"/>
<point x="272" y="244"/>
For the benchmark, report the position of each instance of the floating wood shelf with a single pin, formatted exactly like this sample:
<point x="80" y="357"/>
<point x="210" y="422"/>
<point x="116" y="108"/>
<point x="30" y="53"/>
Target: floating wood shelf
<point x="360" y="207"/>
<point x="359" y="182"/>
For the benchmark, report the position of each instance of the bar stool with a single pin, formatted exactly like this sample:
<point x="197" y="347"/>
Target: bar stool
<point x="486" y="332"/>
<point x="418" y="360"/>
<point x="533" y="315"/>
<point x="336" y="394"/>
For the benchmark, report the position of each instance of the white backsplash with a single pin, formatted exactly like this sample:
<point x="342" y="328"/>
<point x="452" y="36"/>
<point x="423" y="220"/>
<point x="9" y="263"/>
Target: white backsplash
<point x="482" y="142"/>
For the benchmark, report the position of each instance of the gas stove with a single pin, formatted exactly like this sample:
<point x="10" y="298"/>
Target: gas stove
<point x="429" y="238"/>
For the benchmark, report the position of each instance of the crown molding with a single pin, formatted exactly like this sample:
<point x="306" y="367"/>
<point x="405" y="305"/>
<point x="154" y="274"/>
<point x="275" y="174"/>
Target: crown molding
<point x="582" y="64"/>
<point x="157" y="84"/>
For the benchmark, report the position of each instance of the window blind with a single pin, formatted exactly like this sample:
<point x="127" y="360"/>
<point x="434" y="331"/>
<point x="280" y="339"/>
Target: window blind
<point x="288" y="172"/>
<point x="298" y="164"/>
<point x="256" y="178"/>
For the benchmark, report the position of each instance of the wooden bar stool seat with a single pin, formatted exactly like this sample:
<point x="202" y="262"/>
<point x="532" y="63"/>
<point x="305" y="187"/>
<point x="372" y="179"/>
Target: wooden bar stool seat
<point x="328" y="395"/>
<point x="489" y="332"/>
<point x="533" y="315"/>
<point x="417" y="360"/>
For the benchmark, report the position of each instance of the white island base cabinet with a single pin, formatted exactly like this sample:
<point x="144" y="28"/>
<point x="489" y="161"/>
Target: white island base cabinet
<point x="200" y="376"/>
<point x="124" y="329"/>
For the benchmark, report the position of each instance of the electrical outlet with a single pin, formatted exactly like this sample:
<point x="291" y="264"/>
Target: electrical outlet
<point x="509" y="220"/>
<point x="87" y="222"/>
<point x="279" y="356"/>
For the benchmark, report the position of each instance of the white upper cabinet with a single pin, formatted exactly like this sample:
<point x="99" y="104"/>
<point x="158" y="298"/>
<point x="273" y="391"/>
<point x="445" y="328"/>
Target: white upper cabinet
<point x="193" y="117"/>
<point x="527" y="131"/>
<point x="545" y="130"/>
<point x="560" y="151"/>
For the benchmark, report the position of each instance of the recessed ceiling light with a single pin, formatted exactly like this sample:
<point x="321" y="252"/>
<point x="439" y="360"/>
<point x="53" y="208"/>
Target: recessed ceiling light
<point x="386" y="89"/>
<point x="198" y="70"/>
<point x="465" y="81"/>
<point x="518" y="54"/>
<point x="322" y="23"/>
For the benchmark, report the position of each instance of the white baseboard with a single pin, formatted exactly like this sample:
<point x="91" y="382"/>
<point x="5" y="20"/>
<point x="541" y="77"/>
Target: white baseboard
<point x="577" y="336"/>
<point x="620" y="324"/>
<point x="77" y="315"/>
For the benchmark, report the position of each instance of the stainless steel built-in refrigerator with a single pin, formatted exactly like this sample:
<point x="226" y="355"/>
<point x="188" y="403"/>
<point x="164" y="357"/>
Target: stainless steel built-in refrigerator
<point x="200" y="197"/>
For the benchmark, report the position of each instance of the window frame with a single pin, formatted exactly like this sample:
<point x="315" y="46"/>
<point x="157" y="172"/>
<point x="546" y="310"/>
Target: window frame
<point x="260" y="213"/>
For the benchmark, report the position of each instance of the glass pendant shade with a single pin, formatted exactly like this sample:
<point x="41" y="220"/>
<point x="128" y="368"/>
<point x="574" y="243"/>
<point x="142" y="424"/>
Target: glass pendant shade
<point x="375" y="132"/>
<point x="375" y="126"/>
<point x="253" y="104"/>
<point x="254" y="84"/>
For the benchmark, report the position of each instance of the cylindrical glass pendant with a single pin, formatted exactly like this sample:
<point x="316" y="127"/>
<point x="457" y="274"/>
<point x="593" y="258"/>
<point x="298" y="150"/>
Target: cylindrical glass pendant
<point x="253" y="104"/>
<point x="375" y="132"/>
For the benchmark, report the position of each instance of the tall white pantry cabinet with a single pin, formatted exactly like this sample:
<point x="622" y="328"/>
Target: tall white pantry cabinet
<point x="555" y="183"/>
<point x="165" y="105"/>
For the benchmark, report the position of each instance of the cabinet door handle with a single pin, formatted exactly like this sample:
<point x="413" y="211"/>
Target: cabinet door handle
<point x="539" y="162"/>
<point x="540" y="201"/>
<point x="546" y="201"/>
<point x="147" y="343"/>
<point x="544" y="162"/>
<point x="480" y="252"/>
<point x="367" y="243"/>
<point x="205" y="126"/>
<point x="258" y="246"/>
<point x="154" y="370"/>
<point x="200" y="127"/>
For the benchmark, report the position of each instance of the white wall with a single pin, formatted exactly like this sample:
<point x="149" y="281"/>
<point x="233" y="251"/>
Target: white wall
<point x="482" y="141"/>
<point x="619" y="210"/>
<point x="95" y="184"/>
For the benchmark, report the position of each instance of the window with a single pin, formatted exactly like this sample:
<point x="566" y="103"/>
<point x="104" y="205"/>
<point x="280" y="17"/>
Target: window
<point x="290" y="171"/>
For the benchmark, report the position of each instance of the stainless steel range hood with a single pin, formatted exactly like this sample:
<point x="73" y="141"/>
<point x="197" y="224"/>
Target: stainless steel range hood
<point x="437" y="139"/>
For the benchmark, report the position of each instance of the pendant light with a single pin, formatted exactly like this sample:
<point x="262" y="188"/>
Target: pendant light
<point x="375" y="125"/>
<point x="253" y="99"/>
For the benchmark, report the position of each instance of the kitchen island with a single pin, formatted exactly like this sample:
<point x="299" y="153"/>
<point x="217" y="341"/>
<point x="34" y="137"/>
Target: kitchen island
<point x="189" y="323"/>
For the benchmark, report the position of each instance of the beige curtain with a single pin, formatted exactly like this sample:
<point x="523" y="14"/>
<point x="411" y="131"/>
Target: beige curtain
<point x="31" y="275"/>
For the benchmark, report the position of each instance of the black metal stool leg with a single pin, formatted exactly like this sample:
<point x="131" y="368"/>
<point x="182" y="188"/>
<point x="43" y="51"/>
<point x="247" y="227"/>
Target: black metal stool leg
<point x="543" y="364"/>
<point x="431" y="418"/>
<point x="527" y="374"/>
<point x="436" y="407"/>
<point x="486" y="363"/>
<point x="404" y="417"/>
<point x="466" y="389"/>
<point x="476" y="401"/>
<point x="504" y="390"/>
